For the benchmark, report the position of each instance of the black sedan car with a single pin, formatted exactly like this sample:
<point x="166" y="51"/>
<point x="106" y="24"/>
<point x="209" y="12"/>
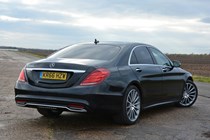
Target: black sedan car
<point x="118" y="77"/>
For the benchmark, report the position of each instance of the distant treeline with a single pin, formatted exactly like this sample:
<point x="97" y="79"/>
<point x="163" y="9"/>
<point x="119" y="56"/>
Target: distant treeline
<point x="40" y="52"/>
<point x="8" y="47"/>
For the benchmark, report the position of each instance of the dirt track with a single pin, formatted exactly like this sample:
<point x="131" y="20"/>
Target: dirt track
<point x="166" y="122"/>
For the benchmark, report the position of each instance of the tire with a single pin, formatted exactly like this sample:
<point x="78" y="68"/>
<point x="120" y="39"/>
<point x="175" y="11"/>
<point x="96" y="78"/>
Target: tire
<point x="49" y="113"/>
<point x="190" y="95"/>
<point x="131" y="107"/>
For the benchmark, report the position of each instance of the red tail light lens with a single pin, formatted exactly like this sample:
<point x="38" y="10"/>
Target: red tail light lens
<point x="22" y="76"/>
<point x="78" y="106"/>
<point x="20" y="101"/>
<point x="96" y="77"/>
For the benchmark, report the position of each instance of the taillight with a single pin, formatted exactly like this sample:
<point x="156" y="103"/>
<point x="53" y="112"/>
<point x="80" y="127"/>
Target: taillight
<point x="96" y="77"/>
<point x="22" y="76"/>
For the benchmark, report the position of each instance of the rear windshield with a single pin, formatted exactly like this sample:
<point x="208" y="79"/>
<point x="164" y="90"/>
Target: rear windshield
<point x="98" y="52"/>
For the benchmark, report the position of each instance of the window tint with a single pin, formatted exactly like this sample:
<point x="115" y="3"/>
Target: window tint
<point x="133" y="59"/>
<point x="160" y="58"/>
<point x="99" y="52"/>
<point x="143" y="56"/>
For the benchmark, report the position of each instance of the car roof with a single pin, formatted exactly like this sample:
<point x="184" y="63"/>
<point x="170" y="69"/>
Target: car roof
<point x="116" y="43"/>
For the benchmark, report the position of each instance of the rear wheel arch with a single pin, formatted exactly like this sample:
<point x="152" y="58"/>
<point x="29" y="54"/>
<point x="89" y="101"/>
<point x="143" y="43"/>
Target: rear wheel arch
<point x="136" y="84"/>
<point x="131" y="99"/>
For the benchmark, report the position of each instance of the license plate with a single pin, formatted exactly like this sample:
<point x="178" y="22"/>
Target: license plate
<point x="53" y="75"/>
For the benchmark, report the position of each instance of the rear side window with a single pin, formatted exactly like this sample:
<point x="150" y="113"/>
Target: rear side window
<point x="98" y="52"/>
<point x="142" y="55"/>
<point x="133" y="59"/>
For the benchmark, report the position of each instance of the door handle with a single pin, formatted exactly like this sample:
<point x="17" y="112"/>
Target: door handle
<point x="165" y="69"/>
<point x="138" y="70"/>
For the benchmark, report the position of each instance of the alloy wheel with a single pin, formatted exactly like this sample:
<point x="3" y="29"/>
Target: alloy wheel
<point x="189" y="95"/>
<point x="133" y="105"/>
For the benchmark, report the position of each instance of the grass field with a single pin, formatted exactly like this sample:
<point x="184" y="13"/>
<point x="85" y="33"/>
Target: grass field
<point x="198" y="65"/>
<point x="201" y="79"/>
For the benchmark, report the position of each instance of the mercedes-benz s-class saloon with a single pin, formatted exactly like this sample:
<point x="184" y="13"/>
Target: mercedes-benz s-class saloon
<point x="117" y="77"/>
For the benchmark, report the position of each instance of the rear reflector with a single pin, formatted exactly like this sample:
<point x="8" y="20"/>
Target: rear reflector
<point x="96" y="77"/>
<point x="20" y="101"/>
<point x="22" y="76"/>
<point x="76" y="106"/>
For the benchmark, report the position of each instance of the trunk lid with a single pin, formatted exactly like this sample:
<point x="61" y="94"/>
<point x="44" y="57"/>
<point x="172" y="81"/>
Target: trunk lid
<point x="69" y="72"/>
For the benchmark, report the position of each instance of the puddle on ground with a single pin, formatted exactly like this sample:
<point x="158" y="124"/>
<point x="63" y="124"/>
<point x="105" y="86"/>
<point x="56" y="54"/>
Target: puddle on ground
<point x="206" y="134"/>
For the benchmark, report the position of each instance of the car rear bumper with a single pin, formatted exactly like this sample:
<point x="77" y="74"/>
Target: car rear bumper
<point x="75" y="99"/>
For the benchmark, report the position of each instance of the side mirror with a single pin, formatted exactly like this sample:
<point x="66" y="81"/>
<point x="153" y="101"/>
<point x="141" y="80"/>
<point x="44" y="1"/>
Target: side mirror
<point x="176" y="63"/>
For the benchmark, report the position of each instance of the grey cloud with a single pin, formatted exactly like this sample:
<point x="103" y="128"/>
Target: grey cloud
<point x="205" y="20"/>
<point x="56" y="36"/>
<point x="186" y="8"/>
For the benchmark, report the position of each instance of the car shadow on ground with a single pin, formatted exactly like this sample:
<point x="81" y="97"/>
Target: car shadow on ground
<point x="78" y="121"/>
<point x="77" y="125"/>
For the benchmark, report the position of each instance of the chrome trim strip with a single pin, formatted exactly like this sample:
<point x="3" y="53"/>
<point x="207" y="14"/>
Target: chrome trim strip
<point x="129" y="59"/>
<point x="55" y="106"/>
<point x="158" y="104"/>
<point x="51" y="69"/>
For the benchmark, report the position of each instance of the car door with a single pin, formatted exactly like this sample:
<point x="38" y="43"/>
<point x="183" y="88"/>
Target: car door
<point x="172" y="84"/>
<point x="149" y="75"/>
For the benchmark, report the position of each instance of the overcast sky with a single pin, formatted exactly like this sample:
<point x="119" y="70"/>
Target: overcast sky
<point x="181" y="26"/>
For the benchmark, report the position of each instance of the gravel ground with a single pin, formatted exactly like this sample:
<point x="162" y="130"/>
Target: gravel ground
<point x="159" y="123"/>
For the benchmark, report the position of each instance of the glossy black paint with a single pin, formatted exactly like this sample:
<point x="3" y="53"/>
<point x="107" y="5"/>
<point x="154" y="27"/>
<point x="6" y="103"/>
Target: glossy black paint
<point x="158" y="84"/>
